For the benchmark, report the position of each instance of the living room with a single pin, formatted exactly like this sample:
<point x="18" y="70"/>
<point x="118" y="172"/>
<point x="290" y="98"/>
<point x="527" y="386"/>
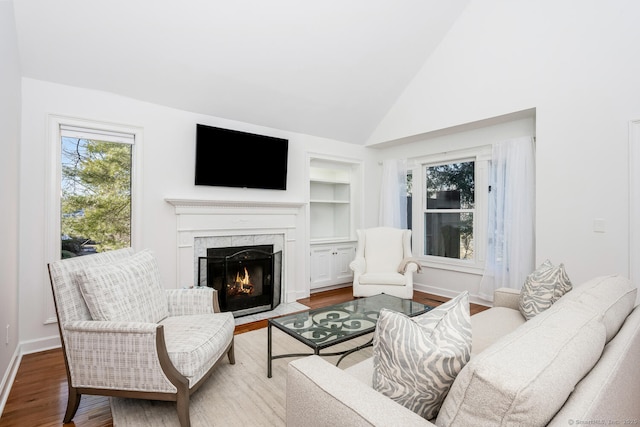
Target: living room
<point x="564" y="72"/>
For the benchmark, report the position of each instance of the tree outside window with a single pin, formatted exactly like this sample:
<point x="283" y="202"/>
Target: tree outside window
<point x="449" y="210"/>
<point x="95" y="196"/>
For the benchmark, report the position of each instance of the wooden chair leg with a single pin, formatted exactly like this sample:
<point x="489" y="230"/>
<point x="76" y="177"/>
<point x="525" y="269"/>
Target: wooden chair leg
<point x="231" y="354"/>
<point x="73" y="402"/>
<point x="182" y="406"/>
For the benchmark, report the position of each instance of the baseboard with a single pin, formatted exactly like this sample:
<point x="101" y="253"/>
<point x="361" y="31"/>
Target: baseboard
<point x="331" y="288"/>
<point x="9" y="377"/>
<point x="25" y="347"/>
<point x="448" y="293"/>
<point x="41" y="344"/>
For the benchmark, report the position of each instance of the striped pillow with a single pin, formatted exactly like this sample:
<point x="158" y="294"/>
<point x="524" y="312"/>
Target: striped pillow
<point x="542" y="288"/>
<point x="125" y="290"/>
<point x="416" y="360"/>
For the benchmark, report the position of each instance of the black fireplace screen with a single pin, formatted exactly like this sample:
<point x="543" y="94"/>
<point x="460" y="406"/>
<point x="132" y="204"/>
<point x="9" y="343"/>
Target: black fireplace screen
<point x="247" y="278"/>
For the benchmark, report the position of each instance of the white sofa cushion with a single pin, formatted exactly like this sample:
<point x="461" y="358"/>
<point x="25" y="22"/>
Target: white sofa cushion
<point x="490" y="325"/>
<point x="542" y="288"/>
<point x="415" y="361"/>
<point x="525" y="377"/>
<point x="383" y="249"/>
<point x="611" y="296"/>
<point x="124" y="290"/>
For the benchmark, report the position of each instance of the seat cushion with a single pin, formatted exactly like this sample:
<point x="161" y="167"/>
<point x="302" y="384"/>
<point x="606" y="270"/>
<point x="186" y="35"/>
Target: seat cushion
<point x="490" y="325"/>
<point x="382" y="279"/>
<point x="124" y="290"/>
<point x="196" y="342"/>
<point x="526" y="376"/>
<point x="415" y="360"/>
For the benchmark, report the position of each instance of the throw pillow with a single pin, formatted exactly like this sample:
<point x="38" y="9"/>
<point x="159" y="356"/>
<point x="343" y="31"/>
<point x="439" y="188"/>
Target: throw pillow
<point x="125" y="290"/>
<point x="542" y="288"/>
<point x="417" y="359"/>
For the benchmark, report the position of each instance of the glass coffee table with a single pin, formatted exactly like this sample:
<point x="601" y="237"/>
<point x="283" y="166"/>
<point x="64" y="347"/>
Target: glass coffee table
<point x="327" y="326"/>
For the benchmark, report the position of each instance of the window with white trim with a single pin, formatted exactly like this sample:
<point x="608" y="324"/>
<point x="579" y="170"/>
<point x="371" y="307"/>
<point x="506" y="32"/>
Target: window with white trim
<point x="449" y="224"/>
<point x="96" y="169"/>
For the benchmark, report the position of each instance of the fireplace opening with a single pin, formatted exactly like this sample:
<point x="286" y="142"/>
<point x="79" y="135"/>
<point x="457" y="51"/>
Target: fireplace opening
<point x="247" y="278"/>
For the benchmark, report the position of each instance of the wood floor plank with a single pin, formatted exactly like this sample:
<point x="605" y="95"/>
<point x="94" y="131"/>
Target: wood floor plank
<point x="38" y="396"/>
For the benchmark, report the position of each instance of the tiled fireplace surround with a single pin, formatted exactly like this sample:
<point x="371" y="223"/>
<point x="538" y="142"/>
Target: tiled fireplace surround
<point x="203" y="224"/>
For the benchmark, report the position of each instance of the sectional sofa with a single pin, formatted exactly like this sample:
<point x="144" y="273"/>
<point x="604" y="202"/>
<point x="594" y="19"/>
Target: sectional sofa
<point x="576" y="363"/>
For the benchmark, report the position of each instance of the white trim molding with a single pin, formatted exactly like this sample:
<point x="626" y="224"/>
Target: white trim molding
<point x="634" y="202"/>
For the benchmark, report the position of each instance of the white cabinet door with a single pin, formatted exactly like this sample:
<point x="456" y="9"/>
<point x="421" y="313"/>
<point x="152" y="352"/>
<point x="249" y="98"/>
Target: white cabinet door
<point x="330" y="264"/>
<point x="321" y="266"/>
<point x="343" y="256"/>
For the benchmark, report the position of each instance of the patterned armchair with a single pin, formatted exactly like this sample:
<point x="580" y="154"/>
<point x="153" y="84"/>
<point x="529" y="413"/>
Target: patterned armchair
<point x="124" y="335"/>
<point x="383" y="263"/>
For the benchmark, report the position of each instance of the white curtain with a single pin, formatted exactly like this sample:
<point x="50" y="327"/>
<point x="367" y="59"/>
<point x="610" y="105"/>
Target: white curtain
<point x="511" y="224"/>
<point x="393" y="194"/>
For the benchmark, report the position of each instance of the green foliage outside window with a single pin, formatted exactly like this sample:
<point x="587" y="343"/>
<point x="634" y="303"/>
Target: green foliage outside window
<point x="96" y="196"/>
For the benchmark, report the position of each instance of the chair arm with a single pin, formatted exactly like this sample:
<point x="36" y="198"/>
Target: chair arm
<point x="320" y="394"/>
<point x="123" y="356"/>
<point x="506" y="297"/>
<point x="183" y="302"/>
<point x="358" y="265"/>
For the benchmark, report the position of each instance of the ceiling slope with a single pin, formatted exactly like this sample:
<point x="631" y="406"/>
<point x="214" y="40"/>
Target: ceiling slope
<point x="330" y="68"/>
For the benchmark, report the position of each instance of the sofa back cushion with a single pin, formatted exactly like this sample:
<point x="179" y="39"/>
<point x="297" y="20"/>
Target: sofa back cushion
<point x="125" y="290"/>
<point x="611" y="390"/>
<point x="70" y="305"/>
<point x="383" y="249"/>
<point x="613" y="297"/>
<point x="525" y="377"/>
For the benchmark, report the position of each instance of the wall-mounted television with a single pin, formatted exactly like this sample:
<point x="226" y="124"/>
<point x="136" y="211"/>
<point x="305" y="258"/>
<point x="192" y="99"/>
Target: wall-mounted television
<point x="230" y="158"/>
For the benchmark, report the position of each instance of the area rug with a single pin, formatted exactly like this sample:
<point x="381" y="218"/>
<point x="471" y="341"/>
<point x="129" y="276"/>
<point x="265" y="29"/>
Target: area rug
<point x="235" y="395"/>
<point x="280" y="310"/>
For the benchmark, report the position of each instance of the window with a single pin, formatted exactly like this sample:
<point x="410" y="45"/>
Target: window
<point x="95" y="192"/>
<point x="60" y="210"/>
<point x="451" y="218"/>
<point x="92" y="204"/>
<point x="450" y="208"/>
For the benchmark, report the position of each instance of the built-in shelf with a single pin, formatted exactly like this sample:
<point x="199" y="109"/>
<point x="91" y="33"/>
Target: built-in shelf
<point x="330" y="200"/>
<point x="334" y="205"/>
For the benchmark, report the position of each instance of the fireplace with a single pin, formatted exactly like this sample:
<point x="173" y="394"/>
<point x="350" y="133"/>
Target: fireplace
<point x="248" y="278"/>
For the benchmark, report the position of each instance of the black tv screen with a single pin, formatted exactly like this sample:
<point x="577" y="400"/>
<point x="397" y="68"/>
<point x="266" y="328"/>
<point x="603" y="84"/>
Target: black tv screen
<point x="230" y="158"/>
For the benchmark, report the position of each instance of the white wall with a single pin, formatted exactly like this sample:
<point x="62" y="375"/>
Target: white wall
<point x="168" y="171"/>
<point x="576" y="63"/>
<point x="9" y="143"/>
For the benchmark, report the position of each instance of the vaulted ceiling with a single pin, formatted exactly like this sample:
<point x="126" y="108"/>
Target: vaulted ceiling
<point x="330" y="68"/>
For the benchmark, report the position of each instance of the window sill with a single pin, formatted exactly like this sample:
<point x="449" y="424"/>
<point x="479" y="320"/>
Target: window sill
<point x="460" y="267"/>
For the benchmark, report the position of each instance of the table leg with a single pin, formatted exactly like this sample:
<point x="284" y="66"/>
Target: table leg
<point x="269" y="350"/>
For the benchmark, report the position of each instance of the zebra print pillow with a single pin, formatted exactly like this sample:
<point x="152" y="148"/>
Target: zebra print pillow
<point x="542" y="288"/>
<point x="416" y="360"/>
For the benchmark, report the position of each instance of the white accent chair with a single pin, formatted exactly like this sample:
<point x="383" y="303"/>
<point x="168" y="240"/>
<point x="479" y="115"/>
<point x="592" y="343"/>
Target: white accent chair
<point x="124" y="335"/>
<point x="383" y="263"/>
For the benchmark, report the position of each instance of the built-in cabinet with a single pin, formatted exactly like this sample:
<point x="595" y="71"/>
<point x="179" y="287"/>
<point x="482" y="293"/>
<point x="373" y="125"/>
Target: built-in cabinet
<point x="330" y="264"/>
<point x="334" y="212"/>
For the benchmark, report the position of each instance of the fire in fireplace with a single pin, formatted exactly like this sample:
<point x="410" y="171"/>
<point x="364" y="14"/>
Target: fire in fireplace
<point x="247" y="278"/>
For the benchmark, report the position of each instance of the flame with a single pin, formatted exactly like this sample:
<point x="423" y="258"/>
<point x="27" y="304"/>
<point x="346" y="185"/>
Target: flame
<point x="241" y="285"/>
<point x="243" y="280"/>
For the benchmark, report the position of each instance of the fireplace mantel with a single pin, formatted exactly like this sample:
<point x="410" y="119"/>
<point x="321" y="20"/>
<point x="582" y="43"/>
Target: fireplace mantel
<point x="204" y="206"/>
<point x="209" y="218"/>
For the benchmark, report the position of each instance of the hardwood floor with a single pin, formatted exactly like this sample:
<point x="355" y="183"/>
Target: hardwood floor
<point x="39" y="393"/>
